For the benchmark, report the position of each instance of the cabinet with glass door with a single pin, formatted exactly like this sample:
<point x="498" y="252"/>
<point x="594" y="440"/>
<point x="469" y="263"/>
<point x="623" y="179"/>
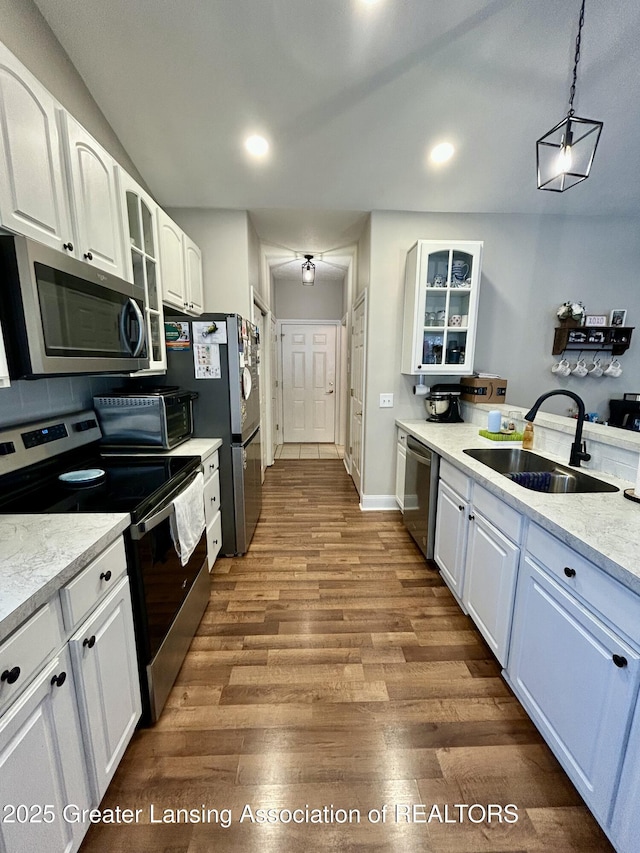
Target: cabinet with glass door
<point x="143" y="266"/>
<point x="442" y="282"/>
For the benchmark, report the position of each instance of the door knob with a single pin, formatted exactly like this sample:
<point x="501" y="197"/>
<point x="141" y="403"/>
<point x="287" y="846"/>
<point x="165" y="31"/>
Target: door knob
<point x="330" y="392"/>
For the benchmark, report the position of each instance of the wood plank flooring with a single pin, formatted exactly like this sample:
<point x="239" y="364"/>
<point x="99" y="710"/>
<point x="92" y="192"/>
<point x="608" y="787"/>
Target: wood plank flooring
<point x="333" y="670"/>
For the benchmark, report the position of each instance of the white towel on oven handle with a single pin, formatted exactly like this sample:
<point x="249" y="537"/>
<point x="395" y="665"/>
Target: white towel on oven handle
<point x="187" y="518"/>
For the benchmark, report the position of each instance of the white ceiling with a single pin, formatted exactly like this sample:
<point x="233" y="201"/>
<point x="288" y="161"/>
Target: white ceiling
<point x="352" y="96"/>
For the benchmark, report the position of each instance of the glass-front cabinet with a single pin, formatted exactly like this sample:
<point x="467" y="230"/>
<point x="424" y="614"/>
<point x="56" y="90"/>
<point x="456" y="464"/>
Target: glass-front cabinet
<point x="143" y="265"/>
<point x="442" y="282"/>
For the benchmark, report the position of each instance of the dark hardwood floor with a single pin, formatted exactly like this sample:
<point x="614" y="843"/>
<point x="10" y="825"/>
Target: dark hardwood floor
<point x="334" y="671"/>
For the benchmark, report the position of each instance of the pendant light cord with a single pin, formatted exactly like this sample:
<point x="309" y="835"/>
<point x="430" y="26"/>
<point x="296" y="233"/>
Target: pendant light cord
<point x="572" y="91"/>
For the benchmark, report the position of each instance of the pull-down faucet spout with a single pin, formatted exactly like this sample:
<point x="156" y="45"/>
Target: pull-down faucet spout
<point x="578" y="448"/>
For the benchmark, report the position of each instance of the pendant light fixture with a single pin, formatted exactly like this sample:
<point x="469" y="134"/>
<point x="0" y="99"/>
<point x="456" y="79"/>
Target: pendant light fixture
<point x="565" y="153"/>
<point x="308" y="271"/>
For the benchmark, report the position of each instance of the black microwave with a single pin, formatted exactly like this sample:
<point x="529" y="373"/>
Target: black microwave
<point x="62" y="316"/>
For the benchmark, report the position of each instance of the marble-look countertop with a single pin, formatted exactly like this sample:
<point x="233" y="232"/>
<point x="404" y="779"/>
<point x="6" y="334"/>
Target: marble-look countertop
<point x="201" y="447"/>
<point x="602" y="526"/>
<point x="40" y="553"/>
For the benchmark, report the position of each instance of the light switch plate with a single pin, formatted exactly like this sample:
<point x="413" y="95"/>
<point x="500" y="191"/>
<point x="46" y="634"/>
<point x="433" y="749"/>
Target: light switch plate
<point x="386" y="401"/>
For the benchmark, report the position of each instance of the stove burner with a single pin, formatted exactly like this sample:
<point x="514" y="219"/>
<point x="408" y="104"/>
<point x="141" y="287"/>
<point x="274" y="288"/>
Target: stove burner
<point x="83" y="478"/>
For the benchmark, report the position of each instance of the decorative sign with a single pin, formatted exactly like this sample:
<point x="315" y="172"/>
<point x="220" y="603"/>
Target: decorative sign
<point x="596" y="320"/>
<point x="177" y="335"/>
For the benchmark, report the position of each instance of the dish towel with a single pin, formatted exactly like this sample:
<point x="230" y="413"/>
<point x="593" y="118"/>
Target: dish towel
<point x="187" y="519"/>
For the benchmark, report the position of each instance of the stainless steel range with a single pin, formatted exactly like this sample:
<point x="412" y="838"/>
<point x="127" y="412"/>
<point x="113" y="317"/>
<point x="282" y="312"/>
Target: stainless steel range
<point x="55" y="465"/>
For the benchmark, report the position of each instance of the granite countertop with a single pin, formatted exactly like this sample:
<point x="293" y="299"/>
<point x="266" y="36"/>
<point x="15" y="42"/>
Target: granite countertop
<point x="601" y="526"/>
<point x="40" y="553"/>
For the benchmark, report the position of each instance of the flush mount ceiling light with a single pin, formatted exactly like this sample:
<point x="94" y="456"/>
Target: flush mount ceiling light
<point x="256" y="145"/>
<point x="308" y="271"/>
<point x="565" y="153"/>
<point x="442" y="152"/>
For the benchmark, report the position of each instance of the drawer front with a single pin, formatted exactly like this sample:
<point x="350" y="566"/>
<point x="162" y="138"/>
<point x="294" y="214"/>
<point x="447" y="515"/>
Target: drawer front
<point x="401" y="437"/>
<point x="28" y="649"/>
<point x="214" y="539"/>
<point x="454" y="478"/>
<point x="212" y="497"/>
<point x="508" y="521"/>
<point x="210" y="466"/>
<point x="617" y="604"/>
<point x="81" y="595"/>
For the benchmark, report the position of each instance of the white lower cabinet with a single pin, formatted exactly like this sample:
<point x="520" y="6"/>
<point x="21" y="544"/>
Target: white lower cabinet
<point x="42" y="765"/>
<point x="572" y="671"/>
<point x="451" y="537"/>
<point x="213" y="518"/>
<point x="625" y="825"/>
<point x="401" y="463"/>
<point x="68" y="707"/>
<point x="104" y="660"/>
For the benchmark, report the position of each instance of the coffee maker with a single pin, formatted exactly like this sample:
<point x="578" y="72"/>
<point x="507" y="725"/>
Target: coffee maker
<point x="442" y="403"/>
<point x="625" y="413"/>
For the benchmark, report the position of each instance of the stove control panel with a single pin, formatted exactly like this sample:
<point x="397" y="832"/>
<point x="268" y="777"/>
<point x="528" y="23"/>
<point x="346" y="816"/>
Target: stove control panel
<point x="25" y="444"/>
<point x="44" y="435"/>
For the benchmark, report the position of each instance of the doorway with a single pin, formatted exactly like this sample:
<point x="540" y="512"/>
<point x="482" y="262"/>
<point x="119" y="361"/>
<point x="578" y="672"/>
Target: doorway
<point x="309" y="354"/>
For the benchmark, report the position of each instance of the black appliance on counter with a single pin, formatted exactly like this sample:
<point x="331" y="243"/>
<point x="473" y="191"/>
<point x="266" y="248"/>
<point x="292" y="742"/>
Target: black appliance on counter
<point x="625" y="413"/>
<point x="168" y="598"/>
<point x="442" y="404"/>
<point x="220" y="365"/>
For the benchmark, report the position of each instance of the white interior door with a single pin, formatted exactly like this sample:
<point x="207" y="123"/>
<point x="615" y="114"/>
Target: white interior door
<point x="273" y="346"/>
<point x="308" y="382"/>
<point x="357" y="392"/>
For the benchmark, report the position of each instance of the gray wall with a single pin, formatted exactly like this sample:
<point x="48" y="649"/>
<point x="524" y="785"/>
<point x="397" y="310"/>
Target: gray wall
<point x="28" y="400"/>
<point x="531" y="264"/>
<point x="27" y="35"/>
<point x="294" y="301"/>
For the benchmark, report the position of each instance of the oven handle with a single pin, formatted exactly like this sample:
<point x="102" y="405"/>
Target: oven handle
<point x="143" y="527"/>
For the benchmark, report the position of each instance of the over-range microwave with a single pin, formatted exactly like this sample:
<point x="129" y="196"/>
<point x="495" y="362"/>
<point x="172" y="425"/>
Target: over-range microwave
<point x="63" y="316"/>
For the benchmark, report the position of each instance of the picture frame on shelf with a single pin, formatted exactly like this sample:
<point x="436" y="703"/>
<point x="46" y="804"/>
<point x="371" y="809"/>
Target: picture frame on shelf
<point x="596" y="320"/>
<point x="618" y="317"/>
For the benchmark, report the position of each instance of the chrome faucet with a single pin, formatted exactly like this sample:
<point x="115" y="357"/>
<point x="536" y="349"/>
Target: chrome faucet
<point x="578" y="448"/>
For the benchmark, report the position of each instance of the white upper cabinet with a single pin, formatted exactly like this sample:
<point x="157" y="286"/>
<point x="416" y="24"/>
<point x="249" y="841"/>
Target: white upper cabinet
<point x="96" y="200"/>
<point x="142" y="263"/>
<point x="442" y="283"/>
<point x="181" y="267"/>
<point x="33" y="192"/>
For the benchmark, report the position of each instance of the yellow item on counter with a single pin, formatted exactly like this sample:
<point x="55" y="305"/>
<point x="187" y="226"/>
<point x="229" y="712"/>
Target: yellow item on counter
<point x="527" y="436"/>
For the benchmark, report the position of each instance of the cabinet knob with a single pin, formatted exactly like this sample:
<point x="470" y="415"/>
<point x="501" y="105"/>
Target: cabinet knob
<point x="68" y="247"/>
<point x="88" y="256"/>
<point x="620" y="661"/>
<point x="461" y="508"/>
<point x="11" y="675"/>
<point x="59" y="680"/>
<point x="471" y="516"/>
<point x="105" y="576"/>
<point x="90" y="641"/>
<point x="215" y="541"/>
<point x="213" y="499"/>
<point x="569" y="572"/>
<point x="191" y="305"/>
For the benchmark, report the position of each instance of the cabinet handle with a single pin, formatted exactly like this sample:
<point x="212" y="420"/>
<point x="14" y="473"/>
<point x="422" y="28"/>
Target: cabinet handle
<point x="11" y="675"/>
<point x="88" y="256"/>
<point x="90" y="642"/>
<point x="68" y="247"/>
<point x="213" y="499"/>
<point x="471" y="516"/>
<point x="59" y="680"/>
<point x="620" y="661"/>
<point x="569" y="572"/>
<point x="105" y="576"/>
<point x="212" y="466"/>
<point x="461" y="508"/>
<point x="191" y="305"/>
<point x="215" y="541"/>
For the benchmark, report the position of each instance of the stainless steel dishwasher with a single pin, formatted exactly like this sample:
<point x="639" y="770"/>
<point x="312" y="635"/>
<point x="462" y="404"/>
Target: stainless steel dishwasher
<point x="420" y="494"/>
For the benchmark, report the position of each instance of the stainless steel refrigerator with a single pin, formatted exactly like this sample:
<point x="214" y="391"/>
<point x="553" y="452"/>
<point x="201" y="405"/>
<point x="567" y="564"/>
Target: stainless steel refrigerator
<point x="217" y="356"/>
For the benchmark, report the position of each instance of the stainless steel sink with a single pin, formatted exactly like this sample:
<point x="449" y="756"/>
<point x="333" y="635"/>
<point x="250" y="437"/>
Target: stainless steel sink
<point x="537" y="473"/>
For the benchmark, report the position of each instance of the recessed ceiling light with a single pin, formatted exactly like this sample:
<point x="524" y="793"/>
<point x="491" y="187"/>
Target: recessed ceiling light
<point x="442" y="152"/>
<point x="256" y="145"/>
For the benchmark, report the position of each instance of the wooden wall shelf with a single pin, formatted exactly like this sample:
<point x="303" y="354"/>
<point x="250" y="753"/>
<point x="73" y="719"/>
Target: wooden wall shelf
<point x="614" y="338"/>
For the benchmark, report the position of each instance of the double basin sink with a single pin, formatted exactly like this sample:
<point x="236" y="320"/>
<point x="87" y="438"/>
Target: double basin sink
<point x="537" y="473"/>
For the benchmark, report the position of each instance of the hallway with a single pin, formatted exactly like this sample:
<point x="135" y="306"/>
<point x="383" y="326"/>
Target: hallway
<point x="333" y="669"/>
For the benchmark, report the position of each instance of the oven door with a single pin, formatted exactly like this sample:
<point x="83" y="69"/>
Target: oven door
<point x="169" y="600"/>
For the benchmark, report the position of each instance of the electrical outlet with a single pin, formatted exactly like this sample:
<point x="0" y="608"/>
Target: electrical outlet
<point x="386" y="401"/>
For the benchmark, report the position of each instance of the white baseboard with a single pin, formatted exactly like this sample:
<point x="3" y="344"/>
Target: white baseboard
<point x="378" y="502"/>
